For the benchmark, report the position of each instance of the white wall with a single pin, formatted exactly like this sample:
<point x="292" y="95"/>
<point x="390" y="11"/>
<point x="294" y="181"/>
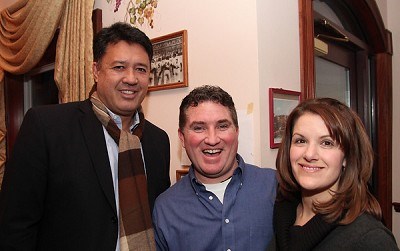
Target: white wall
<point x="279" y="60"/>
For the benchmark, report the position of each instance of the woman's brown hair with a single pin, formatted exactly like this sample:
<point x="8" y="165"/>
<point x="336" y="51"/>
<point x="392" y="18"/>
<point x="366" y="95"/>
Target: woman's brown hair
<point x="345" y="127"/>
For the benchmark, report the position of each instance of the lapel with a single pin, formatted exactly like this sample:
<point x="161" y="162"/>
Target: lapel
<point x="95" y="142"/>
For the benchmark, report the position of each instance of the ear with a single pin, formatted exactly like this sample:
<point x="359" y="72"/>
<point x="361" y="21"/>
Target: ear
<point x="181" y="137"/>
<point x="95" y="71"/>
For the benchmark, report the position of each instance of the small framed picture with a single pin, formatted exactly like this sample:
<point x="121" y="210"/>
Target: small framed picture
<point x="281" y="103"/>
<point x="181" y="173"/>
<point x="169" y="67"/>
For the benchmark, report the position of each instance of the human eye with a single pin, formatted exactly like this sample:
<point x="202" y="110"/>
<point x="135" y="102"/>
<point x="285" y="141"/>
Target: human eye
<point x="328" y="143"/>
<point x="223" y="126"/>
<point x="298" y="140"/>
<point x="118" y="67"/>
<point x="141" y="69"/>
<point x="198" y="128"/>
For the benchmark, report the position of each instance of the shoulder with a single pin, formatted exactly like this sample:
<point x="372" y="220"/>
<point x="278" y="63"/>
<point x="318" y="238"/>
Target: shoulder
<point x="61" y="109"/>
<point x="256" y="172"/>
<point x="150" y="128"/>
<point x="366" y="232"/>
<point x="180" y="191"/>
<point x="58" y="113"/>
<point x="257" y="179"/>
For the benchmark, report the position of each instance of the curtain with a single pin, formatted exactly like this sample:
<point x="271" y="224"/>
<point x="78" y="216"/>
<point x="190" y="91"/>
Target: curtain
<point x="26" y="30"/>
<point x="73" y="70"/>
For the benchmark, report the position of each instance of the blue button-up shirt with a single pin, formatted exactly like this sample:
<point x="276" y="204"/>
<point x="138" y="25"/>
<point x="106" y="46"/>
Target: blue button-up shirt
<point x="188" y="217"/>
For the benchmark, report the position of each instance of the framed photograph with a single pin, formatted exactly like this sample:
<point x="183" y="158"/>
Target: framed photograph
<point x="169" y="68"/>
<point x="281" y="103"/>
<point x="181" y="172"/>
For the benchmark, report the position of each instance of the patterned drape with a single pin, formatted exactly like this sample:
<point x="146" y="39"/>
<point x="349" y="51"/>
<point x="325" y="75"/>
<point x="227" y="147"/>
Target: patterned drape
<point x="73" y="71"/>
<point x="27" y="28"/>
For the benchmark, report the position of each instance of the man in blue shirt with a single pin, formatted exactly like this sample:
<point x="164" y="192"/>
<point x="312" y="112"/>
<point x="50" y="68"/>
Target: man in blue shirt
<point x="223" y="203"/>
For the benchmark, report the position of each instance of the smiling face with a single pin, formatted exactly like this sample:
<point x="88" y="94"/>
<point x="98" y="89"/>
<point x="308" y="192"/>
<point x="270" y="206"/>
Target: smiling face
<point x="316" y="159"/>
<point x="211" y="141"/>
<point x="122" y="77"/>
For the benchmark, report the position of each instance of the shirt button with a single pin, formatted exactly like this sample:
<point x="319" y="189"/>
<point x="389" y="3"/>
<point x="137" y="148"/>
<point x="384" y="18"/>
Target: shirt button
<point x="226" y="221"/>
<point x="210" y="198"/>
<point x="114" y="220"/>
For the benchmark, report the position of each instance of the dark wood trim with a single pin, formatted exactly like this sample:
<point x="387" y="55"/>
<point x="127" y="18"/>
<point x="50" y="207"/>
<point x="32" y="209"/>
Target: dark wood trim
<point x="396" y="206"/>
<point x="389" y="42"/>
<point x="97" y="20"/>
<point x="369" y="16"/>
<point x="307" y="66"/>
<point x="384" y="134"/>
<point x="14" y="107"/>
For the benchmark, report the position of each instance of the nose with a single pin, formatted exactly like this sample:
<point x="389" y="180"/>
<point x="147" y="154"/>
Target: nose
<point x="212" y="137"/>
<point x="130" y="77"/>
<point x="311" y="152"/>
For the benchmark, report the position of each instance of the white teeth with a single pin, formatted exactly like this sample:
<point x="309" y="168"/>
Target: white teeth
<point x="212" y="151"/>
<point x="128" y="92"/>
<point x="310" y="168"/>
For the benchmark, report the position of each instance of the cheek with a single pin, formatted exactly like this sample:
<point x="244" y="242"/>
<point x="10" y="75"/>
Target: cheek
<point x="338" y="163"/>
<point x="193" y="140"/>
<point x="231" y="137"/>
<point x="294" y="154"/>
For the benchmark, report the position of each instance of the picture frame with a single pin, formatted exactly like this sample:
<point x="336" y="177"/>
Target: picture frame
<point x="169" y="67"/>
<point x="180" y="173"/>
<point x="281" y="103"/>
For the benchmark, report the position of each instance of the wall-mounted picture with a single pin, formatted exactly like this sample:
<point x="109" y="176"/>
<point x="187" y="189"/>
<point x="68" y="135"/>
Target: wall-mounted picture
<point x="180" y="173"/>
<point x="169" y="68"/>
<point x="281" y="103"/>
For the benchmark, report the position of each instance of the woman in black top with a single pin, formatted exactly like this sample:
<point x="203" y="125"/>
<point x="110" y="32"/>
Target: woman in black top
<point x="323" y="167"/>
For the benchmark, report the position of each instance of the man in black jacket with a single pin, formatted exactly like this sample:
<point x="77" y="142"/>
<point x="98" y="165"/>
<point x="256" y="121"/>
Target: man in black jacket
<point x="61" y="185"/>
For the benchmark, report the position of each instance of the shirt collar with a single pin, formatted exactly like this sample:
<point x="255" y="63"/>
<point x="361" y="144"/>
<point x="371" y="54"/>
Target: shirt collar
<point x="237" y="174"/>
<point x="117" y="119"/>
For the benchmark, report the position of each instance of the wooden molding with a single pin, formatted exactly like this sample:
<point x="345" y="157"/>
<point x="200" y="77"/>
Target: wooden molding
<point x="396" y="206"/>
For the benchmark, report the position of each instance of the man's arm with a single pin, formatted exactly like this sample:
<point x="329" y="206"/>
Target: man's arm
<point x="24" y="187"/>
<point x="161" y="243"/>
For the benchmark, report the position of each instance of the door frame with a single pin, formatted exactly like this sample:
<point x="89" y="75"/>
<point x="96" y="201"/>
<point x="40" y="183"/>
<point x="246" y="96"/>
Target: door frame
<point x="380" y="44"/>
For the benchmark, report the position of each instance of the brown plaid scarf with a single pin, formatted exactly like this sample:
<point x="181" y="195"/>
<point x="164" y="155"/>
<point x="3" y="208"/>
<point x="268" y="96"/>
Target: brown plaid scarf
<point x="136" y="231"/>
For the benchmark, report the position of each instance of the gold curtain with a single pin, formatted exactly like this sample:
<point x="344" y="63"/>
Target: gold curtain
<point x="73" y="70"/>
<point x="26" y="30"/>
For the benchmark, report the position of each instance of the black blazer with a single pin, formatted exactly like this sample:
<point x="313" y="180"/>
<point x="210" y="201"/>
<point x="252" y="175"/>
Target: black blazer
<point x="57" y="192"/>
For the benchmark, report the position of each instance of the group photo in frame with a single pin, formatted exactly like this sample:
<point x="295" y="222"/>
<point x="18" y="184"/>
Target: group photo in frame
<point x="281" y="103"/>
<point x="169" y="64"/>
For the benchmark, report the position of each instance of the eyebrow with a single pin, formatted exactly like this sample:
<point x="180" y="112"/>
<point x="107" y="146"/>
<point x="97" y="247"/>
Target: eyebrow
<point x="203" y="123"/>
<point x="301" y="135"/>
<point x="124" y="62"/>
